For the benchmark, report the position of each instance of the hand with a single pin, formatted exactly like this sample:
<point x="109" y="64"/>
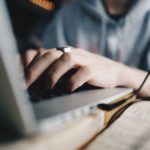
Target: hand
<point x="93" y="69"/>
<point x="39" y="64"/>
<point x="27" y="57"/>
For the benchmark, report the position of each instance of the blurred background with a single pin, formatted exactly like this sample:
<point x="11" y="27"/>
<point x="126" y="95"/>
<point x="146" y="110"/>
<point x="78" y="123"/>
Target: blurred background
<point x="29" y="17"/>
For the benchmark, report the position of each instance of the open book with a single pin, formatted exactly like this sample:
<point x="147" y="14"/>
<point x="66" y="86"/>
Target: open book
<point x="130" y="132"/>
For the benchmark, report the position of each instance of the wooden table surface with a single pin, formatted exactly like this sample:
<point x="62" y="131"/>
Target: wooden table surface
<point x="130" y="132"/>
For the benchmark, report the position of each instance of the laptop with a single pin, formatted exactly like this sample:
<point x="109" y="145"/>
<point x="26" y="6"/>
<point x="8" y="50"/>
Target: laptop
<point x="16" y="108"/>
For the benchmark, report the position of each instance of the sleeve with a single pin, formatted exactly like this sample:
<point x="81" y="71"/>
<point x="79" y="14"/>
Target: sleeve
<point x="148" y="59"/>
<point x="145" y="60"/>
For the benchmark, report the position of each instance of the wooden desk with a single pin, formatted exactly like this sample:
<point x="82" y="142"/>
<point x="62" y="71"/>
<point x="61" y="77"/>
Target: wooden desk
<point x="131" y="131"/>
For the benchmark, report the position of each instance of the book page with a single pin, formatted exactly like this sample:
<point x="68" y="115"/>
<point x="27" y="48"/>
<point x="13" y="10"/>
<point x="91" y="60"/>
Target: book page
<point x="130" y="132"/>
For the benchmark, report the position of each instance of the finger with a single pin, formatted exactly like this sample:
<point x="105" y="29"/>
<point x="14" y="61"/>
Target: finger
<point x="59" y="68"/>
<point x="82" y="76"/>
<point x="36" y="70"/>
<point x="28" y="56"/>
<point x="40" y="53"/>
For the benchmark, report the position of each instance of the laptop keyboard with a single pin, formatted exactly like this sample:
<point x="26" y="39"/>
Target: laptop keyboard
<point x="37" y="93"/>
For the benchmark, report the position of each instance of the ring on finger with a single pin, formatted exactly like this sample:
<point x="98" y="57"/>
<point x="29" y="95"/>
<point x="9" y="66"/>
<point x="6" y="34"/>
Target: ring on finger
<point x="65" y="49"/>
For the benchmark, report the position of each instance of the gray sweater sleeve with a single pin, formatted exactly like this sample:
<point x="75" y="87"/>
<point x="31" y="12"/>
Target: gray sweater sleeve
<point x="148" y="58"/>
<point x="145" y="58"/>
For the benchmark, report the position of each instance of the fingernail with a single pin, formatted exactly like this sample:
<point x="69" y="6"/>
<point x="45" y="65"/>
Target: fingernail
<point x="42" y="49"/>
<point x="73" y="89"/>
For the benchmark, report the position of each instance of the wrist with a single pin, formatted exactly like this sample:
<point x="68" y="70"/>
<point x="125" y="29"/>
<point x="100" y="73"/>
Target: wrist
<point x="126" y="76"/>
<point x="131" y="77"/>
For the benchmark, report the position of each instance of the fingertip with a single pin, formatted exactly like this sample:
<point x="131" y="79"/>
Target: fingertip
<point x="72" y="90"/>
<point x="28" y="83"/>
<point x="52" y="84"/>
<point x="71" y="86"/>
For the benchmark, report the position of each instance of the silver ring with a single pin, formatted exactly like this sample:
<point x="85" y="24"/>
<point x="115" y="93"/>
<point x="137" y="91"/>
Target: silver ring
<point x="65" y="49"/>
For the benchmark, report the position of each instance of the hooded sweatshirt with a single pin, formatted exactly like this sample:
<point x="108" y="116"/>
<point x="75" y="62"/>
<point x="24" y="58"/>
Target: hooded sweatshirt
<point x="85" y="24"/>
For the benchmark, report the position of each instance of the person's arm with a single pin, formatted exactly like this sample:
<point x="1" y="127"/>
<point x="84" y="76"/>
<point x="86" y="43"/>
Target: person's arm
<point x="132" y="77"/>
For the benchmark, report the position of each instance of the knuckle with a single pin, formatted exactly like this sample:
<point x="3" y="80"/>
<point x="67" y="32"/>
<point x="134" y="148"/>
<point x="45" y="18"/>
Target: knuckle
<point x="41" y="52"/>
<point x="67" y="57"/>
<point x="48" y="55"/>
<point x="87" y="70"/>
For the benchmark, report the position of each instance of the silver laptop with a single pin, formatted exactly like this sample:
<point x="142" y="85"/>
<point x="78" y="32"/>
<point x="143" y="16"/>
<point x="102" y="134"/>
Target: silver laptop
<point x="16" y="109"/>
